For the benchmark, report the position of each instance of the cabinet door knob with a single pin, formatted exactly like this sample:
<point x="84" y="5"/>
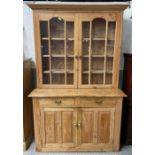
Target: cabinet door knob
<point x="76" y="57"/>
<point x="79" y="124"/>
<point x="58" y="102"/>
<point x="99" y="102"/>
<point x="75" y="124"/>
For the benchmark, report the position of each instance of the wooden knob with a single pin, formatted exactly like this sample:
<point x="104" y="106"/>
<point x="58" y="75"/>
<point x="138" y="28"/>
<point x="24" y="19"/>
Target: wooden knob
<point x="58" y="102"/>
<point x="76" y="57"/>
<point x="99" y="102"/>
<point x="75" y="124"/>
<point x="79" y="124"/>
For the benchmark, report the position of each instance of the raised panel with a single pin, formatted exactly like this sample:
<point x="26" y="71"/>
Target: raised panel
<point x="97" y="51"/>
<point x="67" y="127"/>
<point x="103" y="127"/>
<point x="50" y="127"/>
<point x="87" y="122"/>
<point x="97" y="127"/>
<point x="57" y="127"/>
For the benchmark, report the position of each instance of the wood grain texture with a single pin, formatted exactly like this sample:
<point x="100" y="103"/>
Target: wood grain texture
<point x="104" y="127"/>
<point x="77" y="93"/>
<point x="117" y="127"/>
<point x="78" y="6"/>
<point x="87" y="123"/>
<point x="37" y="124"/>
<point x="80" y="116"/>
<point x="94" y="128"/>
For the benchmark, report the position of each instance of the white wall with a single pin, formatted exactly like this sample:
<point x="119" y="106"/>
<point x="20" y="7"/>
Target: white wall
<point x="126" y="35"/>
<point x="29" y="35"/>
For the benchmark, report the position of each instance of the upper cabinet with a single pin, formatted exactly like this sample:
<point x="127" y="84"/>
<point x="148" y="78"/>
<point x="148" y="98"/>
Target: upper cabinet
<point x="57" y="50"/>
<point x="78" y="50"/>
<point x="97" y="50"/>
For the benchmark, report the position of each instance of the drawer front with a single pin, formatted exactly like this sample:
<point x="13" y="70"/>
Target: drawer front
<point x="57" y="102"/>
<point x="96" y="102"/>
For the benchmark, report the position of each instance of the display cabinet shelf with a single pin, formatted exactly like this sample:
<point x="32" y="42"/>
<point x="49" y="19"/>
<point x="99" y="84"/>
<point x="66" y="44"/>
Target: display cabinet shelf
<point x="58" y="71"/>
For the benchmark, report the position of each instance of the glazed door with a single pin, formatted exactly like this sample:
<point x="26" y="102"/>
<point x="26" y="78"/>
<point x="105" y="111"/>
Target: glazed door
<point x="97" y="46"/>
<point x="58" y="127"/>
<point x="55" y="41"/>
<point x="96" y="127"/>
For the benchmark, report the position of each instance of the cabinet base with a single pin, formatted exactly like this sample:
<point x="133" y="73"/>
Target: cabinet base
<point x="76" y="149"/>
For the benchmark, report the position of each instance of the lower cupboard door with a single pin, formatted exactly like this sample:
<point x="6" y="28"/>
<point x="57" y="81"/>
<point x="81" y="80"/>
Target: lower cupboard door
<point x="58" y="128"/>
<point x="96" y="127"/>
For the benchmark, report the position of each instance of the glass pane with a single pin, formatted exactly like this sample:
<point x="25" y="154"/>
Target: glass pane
<point x="69" y="29"/>
<point x="108" y="79"/>
<point x="44" y="47"/>
<point x="57" y="47"/>
<point x="44" y="29"/>
<point x="70" y="47"/>
<point x="70" y="64"/>
<point x="46" y="78"/>
<point x="85" y="47"/>
<point x="98" y="28"/>
<point x="57" y="63"/>
<point x="85" y="64"/>
<point x="45" y="63"/>
<point x="96" y="78"/>
<point x="110" y="51"/>
<point x="98" y="47"/>
<point x="97" y="64"/>
<point x="84" y="78"/>
<point x="58" y="78"/>
<point x="111" y="30"/>
<point x="109" y="65"/>
<point x="85" y="70"/>
<point x="57" y="27"/>
<point x="70" y="78"/>
<point x="85" y="29"/>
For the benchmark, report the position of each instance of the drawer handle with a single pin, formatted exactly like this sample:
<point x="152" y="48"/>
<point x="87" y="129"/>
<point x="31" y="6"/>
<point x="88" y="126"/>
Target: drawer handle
<point x="58" y="102"/>
<point x="99" y="102"/>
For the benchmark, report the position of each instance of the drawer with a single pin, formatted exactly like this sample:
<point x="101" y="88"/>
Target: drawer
<point x="57" y="102"/>
<point x="97" y="102"/>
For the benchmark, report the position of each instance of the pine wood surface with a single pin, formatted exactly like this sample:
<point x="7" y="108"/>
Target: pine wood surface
<point x="98" y="6"/>
<point x="77" y="93"/>
<point x="77" y="104"/>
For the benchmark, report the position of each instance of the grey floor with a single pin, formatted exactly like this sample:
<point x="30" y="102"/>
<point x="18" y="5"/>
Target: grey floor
<point x="125" y="150"/>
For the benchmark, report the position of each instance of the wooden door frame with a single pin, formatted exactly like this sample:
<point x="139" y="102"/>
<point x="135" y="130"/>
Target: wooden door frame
<point x="111" y="110"/>
<point x="60" y="144"/>
<point x="46" y="16"/>
<point x="108" y="16"/>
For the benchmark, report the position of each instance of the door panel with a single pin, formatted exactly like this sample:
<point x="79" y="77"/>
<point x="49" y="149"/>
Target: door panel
<point x="96" y="51"/>
<point x="58" y="127"/>
<point x="103" y="127"/>
<point x="57" y="50"/>
<point x="87" y="127"/>
<point x="97" y="125"/>
<point x="67" y="127"/>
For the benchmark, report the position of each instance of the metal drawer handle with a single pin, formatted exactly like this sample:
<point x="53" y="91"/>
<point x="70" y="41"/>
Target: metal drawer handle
<point x="58" y="102"/>
<point x="99" y="102"/>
